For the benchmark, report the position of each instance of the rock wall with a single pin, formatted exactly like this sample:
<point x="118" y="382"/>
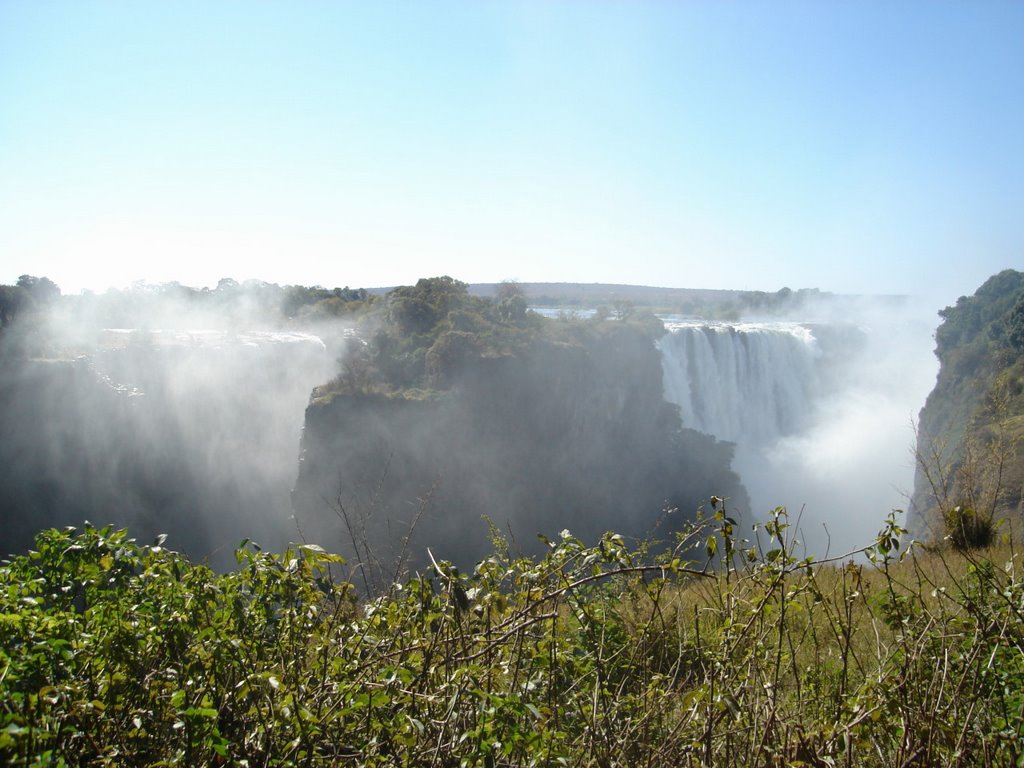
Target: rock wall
<point x="561" y="435"/>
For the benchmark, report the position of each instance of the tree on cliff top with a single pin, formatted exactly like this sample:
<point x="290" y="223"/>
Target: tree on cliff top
<point x="13" y="301"/>
<point x="980" y="322"/>
<point x="417" y="309"/>
<point x="430" y="331"/>
<point x="42" y="289"/>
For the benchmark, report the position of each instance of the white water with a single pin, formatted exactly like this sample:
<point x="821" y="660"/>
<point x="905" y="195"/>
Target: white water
<point x="821" y="415"/>
<point x="746" y="383"/>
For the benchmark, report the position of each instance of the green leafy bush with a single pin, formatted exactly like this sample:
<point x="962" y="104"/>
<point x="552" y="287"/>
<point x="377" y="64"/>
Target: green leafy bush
<point x="968" y="529"/>
<point x="113" y="653"/>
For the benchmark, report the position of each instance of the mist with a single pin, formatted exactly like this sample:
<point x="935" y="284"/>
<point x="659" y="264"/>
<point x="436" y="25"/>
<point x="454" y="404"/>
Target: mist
<point x="162" y="410"/>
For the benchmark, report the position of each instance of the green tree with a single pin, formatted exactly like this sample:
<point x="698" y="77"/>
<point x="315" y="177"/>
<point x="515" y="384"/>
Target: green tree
<point x="42" y="289"/>
<point x="511" y="303"/>
<point x="13" y="300"/>
<point x="1015" y="327"/>
<point x="417" y="309"/>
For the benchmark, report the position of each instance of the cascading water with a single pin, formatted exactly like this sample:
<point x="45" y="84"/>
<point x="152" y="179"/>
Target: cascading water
<point x="747" y="383"/>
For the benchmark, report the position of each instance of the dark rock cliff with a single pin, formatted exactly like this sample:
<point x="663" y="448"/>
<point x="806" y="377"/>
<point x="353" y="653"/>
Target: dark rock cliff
<point x="558" y="435"/>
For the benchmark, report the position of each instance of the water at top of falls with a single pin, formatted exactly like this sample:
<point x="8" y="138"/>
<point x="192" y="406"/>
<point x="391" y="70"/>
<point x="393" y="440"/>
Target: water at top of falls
<point x="204" y="338"/>
<point x="748" y="383"/>
<point x="801" y="330"/>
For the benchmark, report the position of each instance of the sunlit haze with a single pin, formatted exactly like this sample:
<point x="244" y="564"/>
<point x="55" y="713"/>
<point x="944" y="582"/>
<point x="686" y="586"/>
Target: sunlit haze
<point x="859" y="147"/>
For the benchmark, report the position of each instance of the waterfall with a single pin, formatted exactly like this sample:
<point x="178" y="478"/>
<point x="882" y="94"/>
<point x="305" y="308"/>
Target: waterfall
<point x="820" y="412"/>
<point x="748" y="383"/>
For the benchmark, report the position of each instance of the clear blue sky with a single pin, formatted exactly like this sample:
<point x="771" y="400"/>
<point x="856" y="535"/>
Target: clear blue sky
<point x="852" y="147"/>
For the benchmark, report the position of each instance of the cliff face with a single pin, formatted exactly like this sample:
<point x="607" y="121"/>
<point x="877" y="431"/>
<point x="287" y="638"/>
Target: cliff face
<point x="559" y="435"/>
<point x="971" y="429"/>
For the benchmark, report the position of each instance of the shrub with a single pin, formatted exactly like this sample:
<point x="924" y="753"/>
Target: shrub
<point x="967" y="529"/>
<point x="112" y="653"/>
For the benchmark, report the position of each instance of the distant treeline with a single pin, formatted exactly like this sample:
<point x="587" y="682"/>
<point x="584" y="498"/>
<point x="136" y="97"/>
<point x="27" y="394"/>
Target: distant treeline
<point x="699" y="302"/>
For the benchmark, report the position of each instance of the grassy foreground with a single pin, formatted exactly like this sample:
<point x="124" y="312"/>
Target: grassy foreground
<point x="112" y="653"/>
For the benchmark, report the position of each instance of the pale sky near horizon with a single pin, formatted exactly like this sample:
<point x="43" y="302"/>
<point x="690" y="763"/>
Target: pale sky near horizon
<point x="857" y="147"/>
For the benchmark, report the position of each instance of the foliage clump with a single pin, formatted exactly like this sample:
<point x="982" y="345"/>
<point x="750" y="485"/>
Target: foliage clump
<point x="721" y="651"/>
<point x="969" y="529"/>
<point x="425" y="336"/>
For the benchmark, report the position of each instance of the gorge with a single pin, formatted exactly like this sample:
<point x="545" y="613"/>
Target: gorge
<point x="450" y="408"/>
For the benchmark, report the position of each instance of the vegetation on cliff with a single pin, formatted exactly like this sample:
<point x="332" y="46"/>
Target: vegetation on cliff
<point x="971" y="430"/>
<point x="423" y="337"/>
